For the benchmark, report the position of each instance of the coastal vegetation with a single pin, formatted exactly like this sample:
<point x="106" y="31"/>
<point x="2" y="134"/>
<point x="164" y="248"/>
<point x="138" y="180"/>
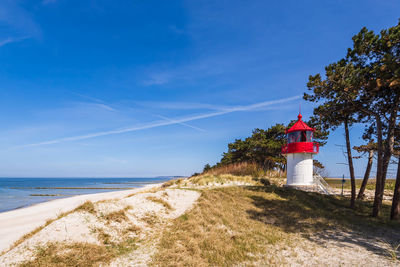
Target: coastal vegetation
<point x="251" y="224"/>
<point x="160" y="201"/>
<point x="263" y="149"/>
<point x="364" y="88"/>
<point x="337" y="183"/>
<point x="236" y="220"/>
<point x="102" y="232"/>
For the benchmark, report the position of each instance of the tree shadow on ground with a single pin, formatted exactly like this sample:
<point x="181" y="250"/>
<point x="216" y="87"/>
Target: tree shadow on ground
<point x="321" y="218"/>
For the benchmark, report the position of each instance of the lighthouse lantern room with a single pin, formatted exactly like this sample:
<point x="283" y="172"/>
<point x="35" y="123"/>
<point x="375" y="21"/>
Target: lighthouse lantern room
<point x="299" y="152"/>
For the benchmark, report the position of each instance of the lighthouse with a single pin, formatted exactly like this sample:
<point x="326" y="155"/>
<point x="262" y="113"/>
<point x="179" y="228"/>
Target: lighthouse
<point x="299" y="152"/>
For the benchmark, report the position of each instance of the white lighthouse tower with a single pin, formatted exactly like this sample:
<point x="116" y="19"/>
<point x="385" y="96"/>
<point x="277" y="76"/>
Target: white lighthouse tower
<point x="299" y="152"/>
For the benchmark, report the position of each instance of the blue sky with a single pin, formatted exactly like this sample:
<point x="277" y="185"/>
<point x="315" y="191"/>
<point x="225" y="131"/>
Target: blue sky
<point x="101" y="88"/>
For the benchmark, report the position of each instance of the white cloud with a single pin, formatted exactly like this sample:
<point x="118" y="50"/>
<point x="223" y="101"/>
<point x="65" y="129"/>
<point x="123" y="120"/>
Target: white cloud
<point x="12" y="40"/>
<point x="181" y="105"/>
<point x="157" y="79"/>
<point x="165" y="122"/>
<point x="17" y="20"/>
<point x="100" y="103"/>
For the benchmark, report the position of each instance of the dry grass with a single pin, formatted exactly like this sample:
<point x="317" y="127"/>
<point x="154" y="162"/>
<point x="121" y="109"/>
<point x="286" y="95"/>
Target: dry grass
<point x="337" y="183"/>
<point x="103" y="236"/>
<point x="160" y="201"/>
<point x="245" y="169"/>
<point x="151" y="218"/>
<point x="116" y="216"/>
<point x="88" y="206"/>
<point x="209" y="179"/>
<point x="80" y="254"/>
<point x="133" y="229"/>
<point x="29" y="235"/>
<point x="243" y="225"/>
<point x="85" y="254"/>
<point x="392" y="251"/>
<point x="173" y="182"/>
<point x="217" y="232"/>
<point x="76" y="254"/>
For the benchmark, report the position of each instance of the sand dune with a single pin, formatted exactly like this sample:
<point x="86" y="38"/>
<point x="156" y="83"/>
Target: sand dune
<point x="16" y="223"/>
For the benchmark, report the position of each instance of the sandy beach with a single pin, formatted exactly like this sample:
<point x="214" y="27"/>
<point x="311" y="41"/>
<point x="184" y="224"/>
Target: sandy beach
<point x="121" y="220"/>
<point x="16" y="223"/>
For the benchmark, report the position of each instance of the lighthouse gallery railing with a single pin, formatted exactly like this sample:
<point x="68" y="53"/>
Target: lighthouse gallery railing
<point x="301" y="147"/>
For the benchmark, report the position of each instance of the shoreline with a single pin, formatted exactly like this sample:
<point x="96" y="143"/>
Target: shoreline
<point x="17" y="222"/>
<point x="16" y="193"/>
<point x="60" y="196"/>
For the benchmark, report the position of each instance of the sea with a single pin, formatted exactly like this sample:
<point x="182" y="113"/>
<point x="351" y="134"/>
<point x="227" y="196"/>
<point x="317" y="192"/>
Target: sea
<point x="22" y="192"/>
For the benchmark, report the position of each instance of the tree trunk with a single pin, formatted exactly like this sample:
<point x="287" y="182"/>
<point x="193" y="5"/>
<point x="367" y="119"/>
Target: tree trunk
<point x="395" y="212"/>
<point x="351" y="167"/>
<point x="377" y="199"/>
<point x="387" y="152"/>
<point x="366" y="175"/>
<point x="389" y="143"/>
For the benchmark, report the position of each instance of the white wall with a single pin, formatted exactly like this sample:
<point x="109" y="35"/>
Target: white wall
<point x="300" y="169"/>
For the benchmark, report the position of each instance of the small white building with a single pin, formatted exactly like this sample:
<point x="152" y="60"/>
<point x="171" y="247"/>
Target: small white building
<point x="299" y="152"/>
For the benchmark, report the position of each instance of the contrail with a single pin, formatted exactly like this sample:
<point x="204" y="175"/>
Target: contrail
<point x="106" y="106"/>
<point x="97" y="101"/>
<point x="13" y="40"/>
<point x="163" y="123"/>
<point x="181" y="123"/>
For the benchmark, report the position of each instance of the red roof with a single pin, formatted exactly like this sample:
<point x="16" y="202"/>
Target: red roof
<point x="300" y="126"/>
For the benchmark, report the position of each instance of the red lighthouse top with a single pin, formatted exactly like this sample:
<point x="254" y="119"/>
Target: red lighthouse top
<point x="300" y="139"/>
<point x="300" y="125"/>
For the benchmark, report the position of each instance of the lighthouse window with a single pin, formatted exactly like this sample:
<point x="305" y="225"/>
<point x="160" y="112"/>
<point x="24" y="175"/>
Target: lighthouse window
<point x="294" y="137"/>
<point x="300" y="136"/>
<point x="309" y="136"/>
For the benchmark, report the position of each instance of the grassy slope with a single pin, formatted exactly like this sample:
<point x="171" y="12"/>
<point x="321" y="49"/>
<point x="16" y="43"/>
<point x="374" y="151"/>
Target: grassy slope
<point x="246" y="224"/>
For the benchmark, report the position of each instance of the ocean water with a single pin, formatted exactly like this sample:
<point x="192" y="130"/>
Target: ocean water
<point x="22" y="192"/>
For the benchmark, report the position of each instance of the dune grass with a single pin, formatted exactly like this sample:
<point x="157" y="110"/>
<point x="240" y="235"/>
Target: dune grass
<point x="245" y="169"/>
<point x="79" y="254"/>
<point x="151" y="218"/>
<point x="209" y="179"/>
<point x="76" y="254"/>
<point x="88" y="206"/>
<point x="116" y="216"/>
<point x="85" y="254"/>
<point x="160" y="201"/>
<point x="237" y="225"/>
